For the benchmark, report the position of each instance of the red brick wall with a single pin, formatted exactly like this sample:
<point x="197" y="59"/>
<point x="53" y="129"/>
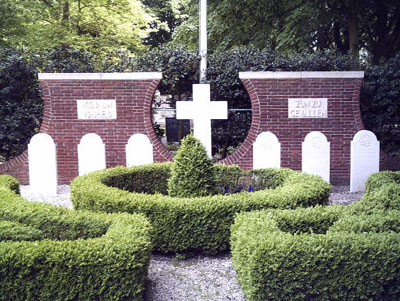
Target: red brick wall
<point x="133" y="100"/>
<point x="269" y="97"/>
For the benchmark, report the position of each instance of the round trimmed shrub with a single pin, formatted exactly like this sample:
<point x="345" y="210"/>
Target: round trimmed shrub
<point x="192" y="173"/>
<point x="184" y="224"/>
<point x="52" y="253"/>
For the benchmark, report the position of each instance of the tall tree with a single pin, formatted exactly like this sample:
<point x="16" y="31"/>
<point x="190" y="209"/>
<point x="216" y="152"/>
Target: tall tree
<point x="10" y="22"/>
<point x="96" y="25"/>
<point x="169" y="15"/>
<point x="295" y="25"/>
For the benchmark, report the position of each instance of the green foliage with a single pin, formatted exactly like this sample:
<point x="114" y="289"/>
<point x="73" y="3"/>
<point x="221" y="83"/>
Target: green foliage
<point x="194" y="224"/>
<point x="192" y="173"/>
<point x="380" y="106"/>
<point x="377" y="180"/>
<point x="95" y="25"/>
<point x="10" y="22"/>
<point x="268" y="178"/>
<point x="227" y="176"/>
<point x="20" y="103"/>
<point x="77" y="255"/>
<point x="151" y="179"/>
<point x="298" y="25"/>
<point x="170" y="14"/>
<point x="68" y="60"/>
<point x="9" y="182"/>
<point x="17" y="232"/>
<point x="178" y="65"/>
<point x="322" y="253"/>
<point x="377" y="222"/>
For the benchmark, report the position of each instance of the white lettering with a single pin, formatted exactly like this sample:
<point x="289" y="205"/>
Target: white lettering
<point x="308" y="108"/>
<point x="97" y="109"/>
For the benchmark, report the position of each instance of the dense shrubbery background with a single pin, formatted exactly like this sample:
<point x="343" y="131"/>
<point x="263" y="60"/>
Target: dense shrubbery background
<point x="380" y="106"/>
<point x="21" y="105"/>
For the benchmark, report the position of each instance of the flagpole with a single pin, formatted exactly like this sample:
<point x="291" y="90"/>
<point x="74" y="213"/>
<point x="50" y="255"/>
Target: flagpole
<point x="203" y="40"/>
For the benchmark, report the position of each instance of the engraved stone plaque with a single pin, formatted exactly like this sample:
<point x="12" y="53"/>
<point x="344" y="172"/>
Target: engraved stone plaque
<point x="308" y="108"/>
<point x="97" y="109"/>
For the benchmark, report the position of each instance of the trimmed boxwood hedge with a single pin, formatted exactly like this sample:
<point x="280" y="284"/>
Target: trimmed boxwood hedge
<point x="323" y="253"/>
<point x="52" y="253"/>
<point x="190" y="224"/>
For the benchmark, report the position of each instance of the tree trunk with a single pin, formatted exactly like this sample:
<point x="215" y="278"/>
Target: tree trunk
<point x="353" y="35"/>
<point x="65" y="14"/>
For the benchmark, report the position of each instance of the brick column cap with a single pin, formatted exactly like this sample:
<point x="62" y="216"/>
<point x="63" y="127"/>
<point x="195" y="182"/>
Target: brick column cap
<point x="301" y="74"/>
<point x="101" y="76"/>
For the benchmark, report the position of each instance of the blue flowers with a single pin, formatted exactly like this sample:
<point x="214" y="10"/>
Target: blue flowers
<point x="238" y="189"/>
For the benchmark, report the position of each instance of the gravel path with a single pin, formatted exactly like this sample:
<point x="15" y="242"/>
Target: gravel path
<point x="194" y="279"/>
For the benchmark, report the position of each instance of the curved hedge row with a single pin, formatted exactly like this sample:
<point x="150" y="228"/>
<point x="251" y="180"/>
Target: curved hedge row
<point x="325" y="253"/>
<point x="74" y="255"/>
<point x="190" y="224"/>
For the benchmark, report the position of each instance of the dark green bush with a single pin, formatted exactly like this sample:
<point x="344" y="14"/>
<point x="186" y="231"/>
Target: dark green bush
<point x="227" y="176"/>
<point x="20" y="103"/>
<point x="268" y="178"/>
<point x="192" y="173"/>
<point x="82" y="255"/>
<point x="323" y="253"/>
<point x="380" y="106"/>
<point x="150" y="179"/>
<point x="194" y="224"/>
<point x="16" y="232"/>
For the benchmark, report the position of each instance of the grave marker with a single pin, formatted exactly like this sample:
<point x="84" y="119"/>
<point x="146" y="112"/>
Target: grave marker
<point x="139" y="150"/>
<point x="42" y="164"/>
<point x="91" y="154"/>
<point x="266" y="151"/>
<point x="364" y="159"/>
<point x="316" y="155"/>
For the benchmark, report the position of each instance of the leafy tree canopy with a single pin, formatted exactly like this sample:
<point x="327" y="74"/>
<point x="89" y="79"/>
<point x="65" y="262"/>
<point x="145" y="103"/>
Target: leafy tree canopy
<point x="169" y="15"/>
<point x="95" y="25"/>
<point x="298" y="25"/>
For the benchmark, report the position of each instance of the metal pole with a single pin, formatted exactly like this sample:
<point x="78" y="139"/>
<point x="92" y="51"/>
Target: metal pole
<point x="203" y="40"/>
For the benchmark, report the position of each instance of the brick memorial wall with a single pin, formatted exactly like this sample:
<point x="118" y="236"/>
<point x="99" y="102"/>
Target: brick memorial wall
<point x="114" y="106"/>
<point x="292" y="104"/>
<point x="118" y="105"/>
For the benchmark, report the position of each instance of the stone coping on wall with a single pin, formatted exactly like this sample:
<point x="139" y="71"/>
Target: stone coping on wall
<point x="301" y="74"/>
<point x="101" y="76"/>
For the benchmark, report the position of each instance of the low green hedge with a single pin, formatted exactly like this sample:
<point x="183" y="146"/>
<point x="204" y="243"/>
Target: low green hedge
<point x="16" y="232"/>
<point x="193" y="224"/>
<point x="74" y="255"/>
<point x="323" y="253"/>
<point x="379" y="179"/>
<point x="9" y="182"/>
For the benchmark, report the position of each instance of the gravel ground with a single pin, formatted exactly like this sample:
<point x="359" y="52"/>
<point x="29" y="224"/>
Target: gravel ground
<point x="198" y="278"/>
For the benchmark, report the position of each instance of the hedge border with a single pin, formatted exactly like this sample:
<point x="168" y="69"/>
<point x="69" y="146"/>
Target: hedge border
<point x="325" y="253"/>
<point x="199" y="224"/>
<point x="81" y="255"/>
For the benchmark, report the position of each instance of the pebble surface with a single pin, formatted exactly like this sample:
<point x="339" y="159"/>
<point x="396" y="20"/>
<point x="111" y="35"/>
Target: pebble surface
<point x="194" y="279"/>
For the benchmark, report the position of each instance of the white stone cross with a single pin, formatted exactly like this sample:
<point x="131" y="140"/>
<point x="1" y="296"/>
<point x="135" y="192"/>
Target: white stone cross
<point x="202" y="110"/>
